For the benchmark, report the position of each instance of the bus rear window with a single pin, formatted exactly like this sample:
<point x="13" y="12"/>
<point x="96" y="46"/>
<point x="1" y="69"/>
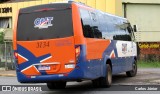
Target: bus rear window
<point x="42" y="25"/>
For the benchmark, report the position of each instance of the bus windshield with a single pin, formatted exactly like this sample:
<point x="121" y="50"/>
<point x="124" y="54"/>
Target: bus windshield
<point x="42" y="25"/>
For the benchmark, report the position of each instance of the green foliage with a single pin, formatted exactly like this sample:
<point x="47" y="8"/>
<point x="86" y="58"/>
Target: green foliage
<point x="149" y="64"/>
<point x="1" y="37"/>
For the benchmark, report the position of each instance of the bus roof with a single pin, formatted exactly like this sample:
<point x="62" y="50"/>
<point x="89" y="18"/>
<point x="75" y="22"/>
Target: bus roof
<point x="70" y="2"/>
<point x="84" y="5"/>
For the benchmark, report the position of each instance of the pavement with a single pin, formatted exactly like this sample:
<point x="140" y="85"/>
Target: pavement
<point x="8" y="73"/>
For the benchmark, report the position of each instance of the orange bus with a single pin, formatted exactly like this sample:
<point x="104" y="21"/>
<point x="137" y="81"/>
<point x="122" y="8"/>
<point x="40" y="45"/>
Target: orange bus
<point x="61" y="42"/>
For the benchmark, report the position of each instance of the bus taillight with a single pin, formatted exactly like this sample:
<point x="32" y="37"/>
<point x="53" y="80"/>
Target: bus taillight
<point x="78" y="50"/>
<point x="15" y="55"/>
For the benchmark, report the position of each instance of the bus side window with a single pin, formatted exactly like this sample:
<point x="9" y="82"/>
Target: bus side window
<point x="86" y="24"/>
<point x="107" y="26"/>
<point x="130" y="30"/>
<point x="93" y="16"/>
<point x="121" y="30"/>
<point x="128" y="35"/>
<point x="121" y="33"/>
<point x="95" y="25"/>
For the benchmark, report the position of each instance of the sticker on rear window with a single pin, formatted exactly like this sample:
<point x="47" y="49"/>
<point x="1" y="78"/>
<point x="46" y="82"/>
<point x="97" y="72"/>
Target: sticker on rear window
<point x="43" y="22"/>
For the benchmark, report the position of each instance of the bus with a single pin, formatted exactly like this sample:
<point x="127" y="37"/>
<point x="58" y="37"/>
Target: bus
<point x="61" y="42"/>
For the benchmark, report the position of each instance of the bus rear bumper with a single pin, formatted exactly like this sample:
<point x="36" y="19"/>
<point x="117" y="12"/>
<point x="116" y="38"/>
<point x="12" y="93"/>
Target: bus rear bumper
<point x="75" y="75"/>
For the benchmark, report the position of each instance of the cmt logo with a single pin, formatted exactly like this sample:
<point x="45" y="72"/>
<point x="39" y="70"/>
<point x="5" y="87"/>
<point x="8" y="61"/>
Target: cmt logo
<point x="43" y="22"/>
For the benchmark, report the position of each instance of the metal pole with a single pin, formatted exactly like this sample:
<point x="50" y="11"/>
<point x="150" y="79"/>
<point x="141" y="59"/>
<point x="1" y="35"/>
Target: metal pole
<point x="6" y="56"/>
<point x="11" y="56"/>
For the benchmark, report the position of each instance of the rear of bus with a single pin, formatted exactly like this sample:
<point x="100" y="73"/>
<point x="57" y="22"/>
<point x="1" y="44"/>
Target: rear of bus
<point x="44" y="44"/>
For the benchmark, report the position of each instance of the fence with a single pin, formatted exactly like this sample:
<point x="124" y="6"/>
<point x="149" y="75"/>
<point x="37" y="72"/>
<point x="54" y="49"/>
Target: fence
<point x="6" y="56"/>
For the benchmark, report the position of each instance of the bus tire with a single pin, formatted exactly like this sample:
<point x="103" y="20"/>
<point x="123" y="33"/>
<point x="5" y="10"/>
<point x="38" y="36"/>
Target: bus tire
<point x="107" y="80"/>
<point x="56" y="85"/>
<point x="133" y="72"/>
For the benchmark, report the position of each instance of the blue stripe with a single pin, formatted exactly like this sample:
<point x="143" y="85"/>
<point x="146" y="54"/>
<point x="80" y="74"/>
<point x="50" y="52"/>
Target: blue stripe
<point x="32" y="59"/>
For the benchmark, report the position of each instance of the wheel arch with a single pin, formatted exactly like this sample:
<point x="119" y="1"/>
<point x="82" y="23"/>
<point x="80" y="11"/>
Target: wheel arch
<point x="108" y="61"/>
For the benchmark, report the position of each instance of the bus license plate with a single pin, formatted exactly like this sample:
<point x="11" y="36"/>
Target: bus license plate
<point x="43" y="67"/>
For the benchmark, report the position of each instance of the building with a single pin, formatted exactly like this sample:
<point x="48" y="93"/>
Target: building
<point x="145" y="14"/>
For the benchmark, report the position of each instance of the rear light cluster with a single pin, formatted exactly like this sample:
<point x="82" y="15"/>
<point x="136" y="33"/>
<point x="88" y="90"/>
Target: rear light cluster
<point x="45" y="9"/>
<point x="78" y="51"/>
<point x="16" y="55"/>
<point x="71" y="63"/>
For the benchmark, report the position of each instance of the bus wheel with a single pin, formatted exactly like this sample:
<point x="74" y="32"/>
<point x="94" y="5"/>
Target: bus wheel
<point x="107" y="81"/>
<point x="133" y="72"/>
<point x="56" y="85"/>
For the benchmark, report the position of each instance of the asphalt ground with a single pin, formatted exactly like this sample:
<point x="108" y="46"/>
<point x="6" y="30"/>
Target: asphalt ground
<point x="145" y="76"/>
<point x="121" y="84"/>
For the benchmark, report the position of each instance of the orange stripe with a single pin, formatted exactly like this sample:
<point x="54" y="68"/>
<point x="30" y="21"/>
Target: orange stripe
<point x="21" y="60"/>
<point x="96" y="47"/>
<point x="14" y="32"/>
<point x="77" y="27"/>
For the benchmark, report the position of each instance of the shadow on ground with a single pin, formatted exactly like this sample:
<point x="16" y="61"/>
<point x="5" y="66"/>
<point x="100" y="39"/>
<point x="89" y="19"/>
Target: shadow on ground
<point x="86" y="86"/>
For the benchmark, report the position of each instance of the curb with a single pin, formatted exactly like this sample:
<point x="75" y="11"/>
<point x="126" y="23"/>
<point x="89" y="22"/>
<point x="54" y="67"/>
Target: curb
<point x="8" y="75"/>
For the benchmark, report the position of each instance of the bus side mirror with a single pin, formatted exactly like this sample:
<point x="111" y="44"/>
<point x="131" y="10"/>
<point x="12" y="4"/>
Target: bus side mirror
<point x="135" y="28"/>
